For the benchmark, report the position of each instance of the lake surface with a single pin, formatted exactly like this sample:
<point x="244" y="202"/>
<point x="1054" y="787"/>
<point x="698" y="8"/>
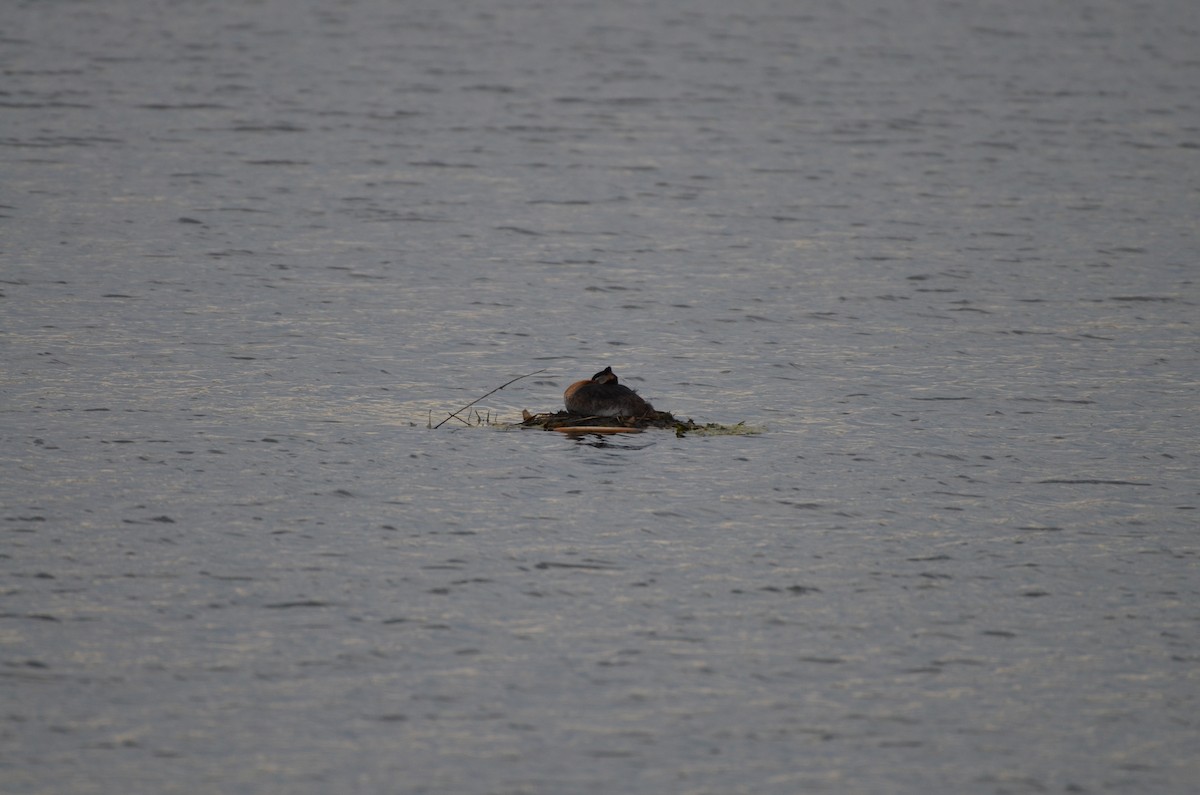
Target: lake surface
<point x="942" y="254"/>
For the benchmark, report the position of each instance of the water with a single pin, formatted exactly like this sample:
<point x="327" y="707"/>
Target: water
<point x="943" y="253"/>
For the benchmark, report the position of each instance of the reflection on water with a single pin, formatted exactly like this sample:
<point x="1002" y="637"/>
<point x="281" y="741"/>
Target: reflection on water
<point x="608" y="442"/>
<point x="944" y="257"/>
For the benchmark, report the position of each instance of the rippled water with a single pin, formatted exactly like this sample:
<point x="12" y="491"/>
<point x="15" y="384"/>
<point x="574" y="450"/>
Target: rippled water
<point x="943" y="253"/>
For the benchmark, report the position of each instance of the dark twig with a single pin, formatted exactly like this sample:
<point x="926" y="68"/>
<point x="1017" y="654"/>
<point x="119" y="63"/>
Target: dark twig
<point x="454" y="414"/>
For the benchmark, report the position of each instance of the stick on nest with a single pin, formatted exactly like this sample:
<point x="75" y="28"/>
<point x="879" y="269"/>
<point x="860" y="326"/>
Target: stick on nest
<point x="562" y="420"/>
<point x="565" y="419"/>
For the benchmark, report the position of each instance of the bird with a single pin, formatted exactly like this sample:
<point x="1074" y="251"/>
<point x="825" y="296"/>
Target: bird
<point x="602" y="396"/>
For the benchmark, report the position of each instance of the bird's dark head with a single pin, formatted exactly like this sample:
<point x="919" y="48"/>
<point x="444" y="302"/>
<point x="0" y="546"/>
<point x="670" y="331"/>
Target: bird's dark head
<point x="605" y="376"/>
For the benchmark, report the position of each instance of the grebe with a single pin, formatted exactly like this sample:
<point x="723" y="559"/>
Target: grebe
<point x="602" y="396"/>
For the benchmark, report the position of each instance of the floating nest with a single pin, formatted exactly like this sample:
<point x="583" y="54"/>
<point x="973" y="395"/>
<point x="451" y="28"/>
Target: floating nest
<point x="566" y="422"/>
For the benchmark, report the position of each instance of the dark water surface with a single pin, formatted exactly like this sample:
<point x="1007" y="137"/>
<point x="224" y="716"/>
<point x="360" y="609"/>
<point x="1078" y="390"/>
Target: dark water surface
<point x="944" y="252"/>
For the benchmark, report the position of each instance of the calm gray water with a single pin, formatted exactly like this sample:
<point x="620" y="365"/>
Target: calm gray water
<point x="944" y="253"/>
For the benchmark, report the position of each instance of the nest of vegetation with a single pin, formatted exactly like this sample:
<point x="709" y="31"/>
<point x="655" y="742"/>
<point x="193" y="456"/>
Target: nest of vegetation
<point x="563" y="420"/>
<point x="566" y="422"/>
